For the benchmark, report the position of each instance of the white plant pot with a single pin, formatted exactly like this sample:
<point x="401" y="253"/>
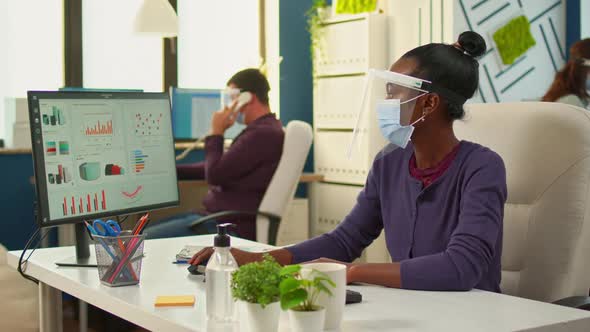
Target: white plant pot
<point x="307" y="321"/>
<point x="258" y="319"/>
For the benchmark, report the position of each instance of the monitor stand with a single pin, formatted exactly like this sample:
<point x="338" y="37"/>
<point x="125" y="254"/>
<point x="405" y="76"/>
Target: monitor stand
<point x="83" y="257"/>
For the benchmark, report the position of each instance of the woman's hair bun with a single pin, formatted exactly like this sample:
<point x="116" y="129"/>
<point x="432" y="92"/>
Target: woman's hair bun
<point x="472" y="43"/>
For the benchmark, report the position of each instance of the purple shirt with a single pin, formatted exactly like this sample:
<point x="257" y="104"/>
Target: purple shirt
<point x="447" y="236"/>
<point x="238" y="177"/>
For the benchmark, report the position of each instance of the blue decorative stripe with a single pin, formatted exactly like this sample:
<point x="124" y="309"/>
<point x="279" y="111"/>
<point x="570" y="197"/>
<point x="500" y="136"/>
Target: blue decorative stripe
<point x="465" y="15"/>
<point x="557" y="39"/>
<point x="474" y="7"/>
<point x="485" y="68"/>
<point x="483" y="98"/>
<point x="548" y="48"/>
<point x="546" y="11"/>
<point x="494" y="13"/>
<point x="517" y="80"/>
<point x="510" y="67"/>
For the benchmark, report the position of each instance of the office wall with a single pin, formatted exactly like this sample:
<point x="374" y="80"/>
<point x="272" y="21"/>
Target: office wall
<point x="585" y="19"/>
<point x="296" y="93"/>
<point x="530" y="76"/>
<point x="16" y="200"/>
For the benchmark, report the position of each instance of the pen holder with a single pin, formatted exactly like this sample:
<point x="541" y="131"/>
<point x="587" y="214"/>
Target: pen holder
<point x="119" y="259"/>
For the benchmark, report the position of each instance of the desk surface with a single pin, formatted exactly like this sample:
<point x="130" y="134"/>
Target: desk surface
<point x="382" y="309"/>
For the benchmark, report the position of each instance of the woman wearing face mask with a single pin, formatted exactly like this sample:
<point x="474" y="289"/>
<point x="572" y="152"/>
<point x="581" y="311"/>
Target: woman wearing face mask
<point x="439" y="200"/>
<point x="572" y="83"/>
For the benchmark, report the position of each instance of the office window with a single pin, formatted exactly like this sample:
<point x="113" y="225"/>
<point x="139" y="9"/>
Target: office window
<point x="31" y="35"/>
<point x="113" y="55"/>
<point x="215" y="40"/>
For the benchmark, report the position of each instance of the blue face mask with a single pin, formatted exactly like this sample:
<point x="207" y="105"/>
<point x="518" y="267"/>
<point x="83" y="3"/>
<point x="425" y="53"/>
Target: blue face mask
<point x="390" y="122"/>
<point x="588" y="83"/>
<point x="241" y="118"/>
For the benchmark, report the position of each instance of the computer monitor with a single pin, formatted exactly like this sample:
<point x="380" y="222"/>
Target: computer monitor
<point x="101" y="154"/>
<point x="192" y="110"/>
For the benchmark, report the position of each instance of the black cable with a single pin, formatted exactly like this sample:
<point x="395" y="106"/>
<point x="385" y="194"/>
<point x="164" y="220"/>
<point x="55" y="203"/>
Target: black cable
<point x="25" y="262"/>
<point x="22" y="255"/>
<point x="122" y="221"/>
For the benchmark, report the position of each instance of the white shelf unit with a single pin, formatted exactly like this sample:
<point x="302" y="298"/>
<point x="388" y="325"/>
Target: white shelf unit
<point x="349" y="47"/>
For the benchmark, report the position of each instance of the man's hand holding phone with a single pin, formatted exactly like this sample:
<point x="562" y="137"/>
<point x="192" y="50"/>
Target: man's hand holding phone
<point x="224" y="119"/>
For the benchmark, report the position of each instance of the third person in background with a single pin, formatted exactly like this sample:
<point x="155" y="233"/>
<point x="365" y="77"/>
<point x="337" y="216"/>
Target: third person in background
<point x="570" y="85"/>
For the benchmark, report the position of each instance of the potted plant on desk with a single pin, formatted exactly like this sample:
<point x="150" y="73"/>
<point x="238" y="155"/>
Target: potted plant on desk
<point x="256" y="288"/>
<point x="300" y="289"/>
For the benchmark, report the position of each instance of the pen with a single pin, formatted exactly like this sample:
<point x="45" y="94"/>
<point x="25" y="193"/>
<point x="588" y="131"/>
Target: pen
<point x="180" y="262"/>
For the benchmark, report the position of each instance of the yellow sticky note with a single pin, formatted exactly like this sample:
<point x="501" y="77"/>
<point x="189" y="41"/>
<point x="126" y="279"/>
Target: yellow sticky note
<point x="175" y="300"/>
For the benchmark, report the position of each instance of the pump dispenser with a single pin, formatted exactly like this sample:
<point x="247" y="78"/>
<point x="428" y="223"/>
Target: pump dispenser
<point x="220" y="304"/>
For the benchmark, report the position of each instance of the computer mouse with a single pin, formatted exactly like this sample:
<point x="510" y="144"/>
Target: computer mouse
<point x="196" y="269"/>
<point x="353" y="297"/>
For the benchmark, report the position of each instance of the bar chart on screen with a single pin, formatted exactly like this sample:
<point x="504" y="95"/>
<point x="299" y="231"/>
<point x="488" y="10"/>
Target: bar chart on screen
<point x="138" y="161"/>
<point x="53" y="116"/>
<point x="84" y="203"/>
<point x="98" y="124"/>
<point x="59" y="174"/>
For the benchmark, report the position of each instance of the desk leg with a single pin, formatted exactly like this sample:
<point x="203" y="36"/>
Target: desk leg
<point x="83" y="314"/>
<point x="50" y="309"/>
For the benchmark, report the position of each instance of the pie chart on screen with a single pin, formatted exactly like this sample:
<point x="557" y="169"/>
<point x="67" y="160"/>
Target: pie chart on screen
<point x="132" y="193"/>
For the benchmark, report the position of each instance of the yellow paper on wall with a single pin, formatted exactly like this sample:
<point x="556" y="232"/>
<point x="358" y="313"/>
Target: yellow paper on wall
<point x="175" y="300"/>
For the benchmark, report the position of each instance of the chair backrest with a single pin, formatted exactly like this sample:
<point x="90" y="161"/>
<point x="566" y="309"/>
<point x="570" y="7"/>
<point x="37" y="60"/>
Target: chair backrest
<point x="280" y="191"/>
<point x="546" y="150"/>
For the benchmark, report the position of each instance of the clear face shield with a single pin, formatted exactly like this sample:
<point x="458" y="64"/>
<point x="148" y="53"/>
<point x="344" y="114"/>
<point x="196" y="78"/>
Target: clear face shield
<point x="228" y="96"/>
<point x="389" y="100"/>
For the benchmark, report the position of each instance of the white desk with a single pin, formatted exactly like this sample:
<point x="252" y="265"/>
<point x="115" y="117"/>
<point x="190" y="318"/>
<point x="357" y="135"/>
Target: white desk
<point x="382" y="309"/>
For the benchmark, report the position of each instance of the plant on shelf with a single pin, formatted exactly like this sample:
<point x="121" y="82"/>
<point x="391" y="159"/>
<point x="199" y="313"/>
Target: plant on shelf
<point x="299" y="292"/>
<point x="315" y="18"/>
<point x="355" y="6"/>
<point x="256" y="286"/>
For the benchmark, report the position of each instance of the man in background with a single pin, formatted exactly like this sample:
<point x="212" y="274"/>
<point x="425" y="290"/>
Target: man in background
<point x="238" y="177"/>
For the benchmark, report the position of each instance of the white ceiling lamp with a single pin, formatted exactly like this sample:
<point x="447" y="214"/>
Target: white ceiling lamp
<point x="158" y="18"/>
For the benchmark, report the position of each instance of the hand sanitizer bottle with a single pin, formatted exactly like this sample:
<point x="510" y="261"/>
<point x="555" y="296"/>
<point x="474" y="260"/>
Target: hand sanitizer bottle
<point x="220" y="304"/>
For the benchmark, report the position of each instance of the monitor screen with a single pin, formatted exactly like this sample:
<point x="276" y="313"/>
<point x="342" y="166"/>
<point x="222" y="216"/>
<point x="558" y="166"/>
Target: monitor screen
<point x="101" y="154"/>
<point x="192" y="111"/>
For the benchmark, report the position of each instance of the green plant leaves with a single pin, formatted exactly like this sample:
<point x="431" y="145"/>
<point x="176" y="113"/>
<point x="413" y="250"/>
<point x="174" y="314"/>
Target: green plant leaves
<point x="299" y="293"/>
<point x="289" y="284"/>
<point x="514" y="39"/>
<point x="257" y="282"/>
<point x="355" y="6"/>
<point x="293" y="298"/>
<point x="319" y="284"/>
<point x="290" y="270"/>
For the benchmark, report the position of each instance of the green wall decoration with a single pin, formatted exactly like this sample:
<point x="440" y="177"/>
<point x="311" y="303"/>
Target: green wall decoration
<point x="355" y="6"/>
<point x="514" y="39"/>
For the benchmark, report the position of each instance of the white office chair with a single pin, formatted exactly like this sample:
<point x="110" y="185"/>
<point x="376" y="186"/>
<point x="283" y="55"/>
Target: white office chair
<point x="20" y="299"/>
<point x="546" y="150"/>
<point x="280" y="191"/>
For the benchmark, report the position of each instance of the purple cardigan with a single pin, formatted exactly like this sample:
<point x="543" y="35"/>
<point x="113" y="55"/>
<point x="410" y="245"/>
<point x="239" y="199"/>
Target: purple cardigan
<point x="447" y="236"/>
<point x="238" y="177"/>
